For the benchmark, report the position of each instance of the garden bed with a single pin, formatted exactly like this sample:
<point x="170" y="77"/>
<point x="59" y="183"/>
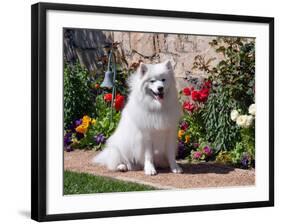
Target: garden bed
<point x="200" y="175"/>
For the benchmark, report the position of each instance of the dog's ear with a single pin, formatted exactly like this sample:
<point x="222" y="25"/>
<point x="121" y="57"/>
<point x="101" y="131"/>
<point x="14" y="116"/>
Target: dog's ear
<point x="168" y="65"/>
<point x="142" y="69"/>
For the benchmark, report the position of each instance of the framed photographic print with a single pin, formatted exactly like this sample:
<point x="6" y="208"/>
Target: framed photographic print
<point x="139" y="111"/>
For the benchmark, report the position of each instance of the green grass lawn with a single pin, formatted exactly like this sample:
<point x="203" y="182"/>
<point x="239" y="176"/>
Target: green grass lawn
<point x="83" y="183"/>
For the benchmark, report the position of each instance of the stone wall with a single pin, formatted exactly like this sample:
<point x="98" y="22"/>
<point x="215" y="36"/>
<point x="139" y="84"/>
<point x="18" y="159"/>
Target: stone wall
<point x="88" y="46"/>
<point x="153" y="48"/>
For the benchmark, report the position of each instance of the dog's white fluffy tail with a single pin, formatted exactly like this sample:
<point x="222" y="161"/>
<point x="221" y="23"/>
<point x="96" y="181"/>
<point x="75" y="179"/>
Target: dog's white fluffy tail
<point x="109" y="157"/>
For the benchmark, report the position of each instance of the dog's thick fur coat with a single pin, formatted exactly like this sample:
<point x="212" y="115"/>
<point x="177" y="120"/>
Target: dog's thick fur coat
<point x="146" y="136"/>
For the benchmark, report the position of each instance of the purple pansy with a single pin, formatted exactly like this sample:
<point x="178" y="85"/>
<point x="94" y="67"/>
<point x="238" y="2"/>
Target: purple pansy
<point x="181" y="145"/>
<point x="78" y="122"/>
<point x="245" y="159"/>
<point x="181" y="150"/>
<point x="100" y="138"/>
<point x="67" y="139"/>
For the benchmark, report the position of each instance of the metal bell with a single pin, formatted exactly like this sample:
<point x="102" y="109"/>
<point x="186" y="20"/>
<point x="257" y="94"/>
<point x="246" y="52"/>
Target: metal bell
<point x="107" y="82"/>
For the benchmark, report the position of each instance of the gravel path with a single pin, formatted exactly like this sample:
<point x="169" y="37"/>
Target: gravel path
<point x="194" y="176"/>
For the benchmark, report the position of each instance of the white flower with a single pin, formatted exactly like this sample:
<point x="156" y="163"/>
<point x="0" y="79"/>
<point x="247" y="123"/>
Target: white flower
<point x="234" y="115"/>
<point x="252" y="109"/>
<point x="244" y="121"/>
<point x="249" y="121"/>
<point x="241" y="120"/>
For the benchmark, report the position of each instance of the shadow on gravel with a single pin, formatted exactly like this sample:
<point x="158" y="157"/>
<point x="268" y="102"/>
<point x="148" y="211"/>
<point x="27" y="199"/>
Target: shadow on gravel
<point x="202" y="168"/>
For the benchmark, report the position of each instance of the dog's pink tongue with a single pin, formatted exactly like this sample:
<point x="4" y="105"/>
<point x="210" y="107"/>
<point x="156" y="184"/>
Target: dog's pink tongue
<point x="159" y="98"/>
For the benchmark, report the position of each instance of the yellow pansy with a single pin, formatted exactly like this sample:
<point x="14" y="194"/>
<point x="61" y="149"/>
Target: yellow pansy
<point x="86" y="119"/>
<point x="94" y="121"/>
<point x="81" y="129"/>
<point x="187" y="139"/>
<point x="180" y="133"/>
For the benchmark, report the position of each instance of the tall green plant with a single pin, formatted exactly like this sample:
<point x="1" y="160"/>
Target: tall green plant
<point x="216" y="114"/>
<point x="77" y="94"/>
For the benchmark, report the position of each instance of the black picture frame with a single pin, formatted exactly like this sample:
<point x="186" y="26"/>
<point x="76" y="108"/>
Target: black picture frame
<point x="39" y="122"/>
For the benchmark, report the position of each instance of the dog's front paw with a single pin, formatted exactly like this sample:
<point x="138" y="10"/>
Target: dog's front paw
<point x="177" y="169"/>
<point x="150" y="170"/>
<point x="122" y="168"/>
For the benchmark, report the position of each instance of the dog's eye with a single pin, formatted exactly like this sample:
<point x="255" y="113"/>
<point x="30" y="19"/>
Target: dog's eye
<point x="152" y="80"/>
<point x="163" y="80"/>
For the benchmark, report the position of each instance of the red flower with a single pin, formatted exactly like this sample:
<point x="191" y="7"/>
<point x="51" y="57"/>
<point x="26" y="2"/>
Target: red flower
<point x="119" y="102"/>
<point x="107" y="97"/>
<point x="188" y="106"/>
<point x="186" y="91"/>
<point x="195" y="95"/>
<point x="203" y="95"/>
<point x="205" y="91"/>
<point x="208" y="84"/>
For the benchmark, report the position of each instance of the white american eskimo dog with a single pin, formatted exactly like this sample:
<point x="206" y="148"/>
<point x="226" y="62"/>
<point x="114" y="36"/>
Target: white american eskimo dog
<point x="146" y="136"/>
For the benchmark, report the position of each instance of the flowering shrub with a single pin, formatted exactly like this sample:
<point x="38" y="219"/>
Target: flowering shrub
<point x="211" y="107"/>
<point x="92" y="133"/>
<point x="191" y="128"/>
<point x="92" y="116"/>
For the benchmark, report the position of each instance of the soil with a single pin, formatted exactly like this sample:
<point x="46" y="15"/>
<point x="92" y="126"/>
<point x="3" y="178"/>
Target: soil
<point x="199" y="175"/>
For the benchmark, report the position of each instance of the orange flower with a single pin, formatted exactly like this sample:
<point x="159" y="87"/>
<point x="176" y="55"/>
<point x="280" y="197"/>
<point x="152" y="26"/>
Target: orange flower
<point x="180" y="133"/>
<point x="187" y="139"/>
<point x="81" y="129"/>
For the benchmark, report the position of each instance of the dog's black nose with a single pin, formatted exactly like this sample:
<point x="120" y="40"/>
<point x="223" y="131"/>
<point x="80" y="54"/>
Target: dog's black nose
<point x="160" y="89"/>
